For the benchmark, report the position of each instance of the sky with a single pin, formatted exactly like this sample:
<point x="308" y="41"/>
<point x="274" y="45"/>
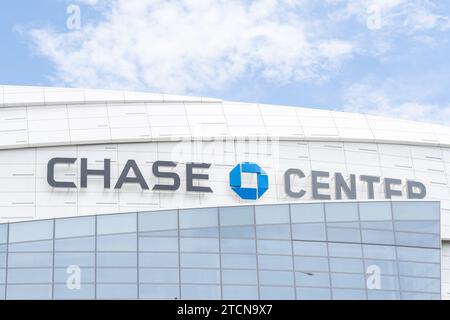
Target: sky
<point x="382" y="57"/>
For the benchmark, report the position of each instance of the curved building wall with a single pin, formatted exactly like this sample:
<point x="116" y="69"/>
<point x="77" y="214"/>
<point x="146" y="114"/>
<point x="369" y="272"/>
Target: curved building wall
<point x="38" y="125"/>
<point x="25" y="192"/>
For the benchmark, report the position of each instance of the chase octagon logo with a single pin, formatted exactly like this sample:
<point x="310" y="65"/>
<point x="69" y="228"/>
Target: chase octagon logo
<point x="249" y="193"/>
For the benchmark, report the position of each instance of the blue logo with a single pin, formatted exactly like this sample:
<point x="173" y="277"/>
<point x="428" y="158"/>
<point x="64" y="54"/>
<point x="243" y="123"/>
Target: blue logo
<point x="249" y="193"/>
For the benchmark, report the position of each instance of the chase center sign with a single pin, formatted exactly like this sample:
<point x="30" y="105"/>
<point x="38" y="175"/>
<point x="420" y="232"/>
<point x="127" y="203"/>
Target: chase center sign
<point x="322" y="182"/>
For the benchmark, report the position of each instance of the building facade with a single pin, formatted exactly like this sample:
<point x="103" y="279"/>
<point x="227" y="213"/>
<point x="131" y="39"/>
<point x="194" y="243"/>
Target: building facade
<point x="108" y="194"/>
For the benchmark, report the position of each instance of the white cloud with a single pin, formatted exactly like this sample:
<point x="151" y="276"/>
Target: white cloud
<point x="186" y="45"/>
<point x="396" y="16"/>
<point x="378" y="100"/>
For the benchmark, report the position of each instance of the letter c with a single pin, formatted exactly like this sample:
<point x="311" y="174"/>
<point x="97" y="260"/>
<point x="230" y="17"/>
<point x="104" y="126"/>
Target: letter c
<point x="51" y="173"/>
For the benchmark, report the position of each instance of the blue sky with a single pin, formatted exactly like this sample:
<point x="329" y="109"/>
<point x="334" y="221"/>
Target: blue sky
<point x="388" y="57"/>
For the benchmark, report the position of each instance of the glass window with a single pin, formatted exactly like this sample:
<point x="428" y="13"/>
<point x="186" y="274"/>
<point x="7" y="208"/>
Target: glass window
<point x="312" y="279"/>
<point x="349" y="294"/>
<point x="117" y="291"/>
<point x="240" y="292"/>
<point x="305" y="213"/>
<point x="388" y="282"/>
<point x="418" y="226"/>
<point x="240" y="277"/>
<point x="272" y="214"/>
<point x="157" y="221"/>
<point x="78" y="244"/>
<point x="278" y="231"/>
<point x="198" y="218"/>
<point x="35" y="260"/>
<point x="377" y="225"/>
<point x="236" y="216"/>
<point x="274" y="247"/>
<point x="200" y="292"/>
<point x="116" y="259"/>
<point x="420" y="296"/>
<point x="383" y="295"/>
<point x="346" y="225"/>
<point x="160" y="291"/>
<point x="200" y="232"/>
<point x="413" y="210"/>
<point x="277" y="293"/>
<point x="201" y="276"/>
<point x="237" y="232"/>
<point x="386" y="267"/>
<point x="200" y="260"/>
<point x="117" y="242"/>
<point x="275" y="262"/>
<point x="158" y="275"/>
<point x="344" y="235"/>
<point x="158" y="244"/>
<point x="31" y="231"/>
<point x="345" y="250"/>
<point x="418" y="254"/>
<point x="276" y="278"/>
<point x="199" y="245"/>
<point x="240" y="261"/>
<point x="74" y="227"/>
<point x="310" y="248"/>
<point x="378" y="236"/>
<point x="39" y="246"/>
<point x="32" y="291"/>
<point x="342" y="280"/>
<point x="238" y="246"/>
<point x="341" y="211"/>
<point x="158" y="260"/>
<point x="2" y="259"/>
<point x="166" y="233"/>
<point x="418" y="239"/>
<point x="375" y="211"/>
<point x="379" y="252"/>
<point x="419" y="269"/>
<point x="87" y="275"/>
<point x="119" y="223"/>
<point x="346" y="265"/>
<point x="311" y="264"/>
<point x="81" y="259"/>
<point x="86" y="292"/>
<point x="116" y="275"/>
<point x="420" y="284"/>
<point x="309" y="231"/>
<point x="2" y="276"/>
<point x="313" y="294"/>
<point x="16" y="276"/>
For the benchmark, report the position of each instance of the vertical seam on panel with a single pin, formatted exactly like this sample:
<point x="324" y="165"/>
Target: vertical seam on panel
<point x="328" y="250"/>
<point x="256" y="253"/>
<point x="68" y="123"/>
<point x="292" y="252"/>
<point x="395" y="248"/>
<point x="220" y="253"/>
<point x="148" y="120"/>
<point x="366" y="292"/>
